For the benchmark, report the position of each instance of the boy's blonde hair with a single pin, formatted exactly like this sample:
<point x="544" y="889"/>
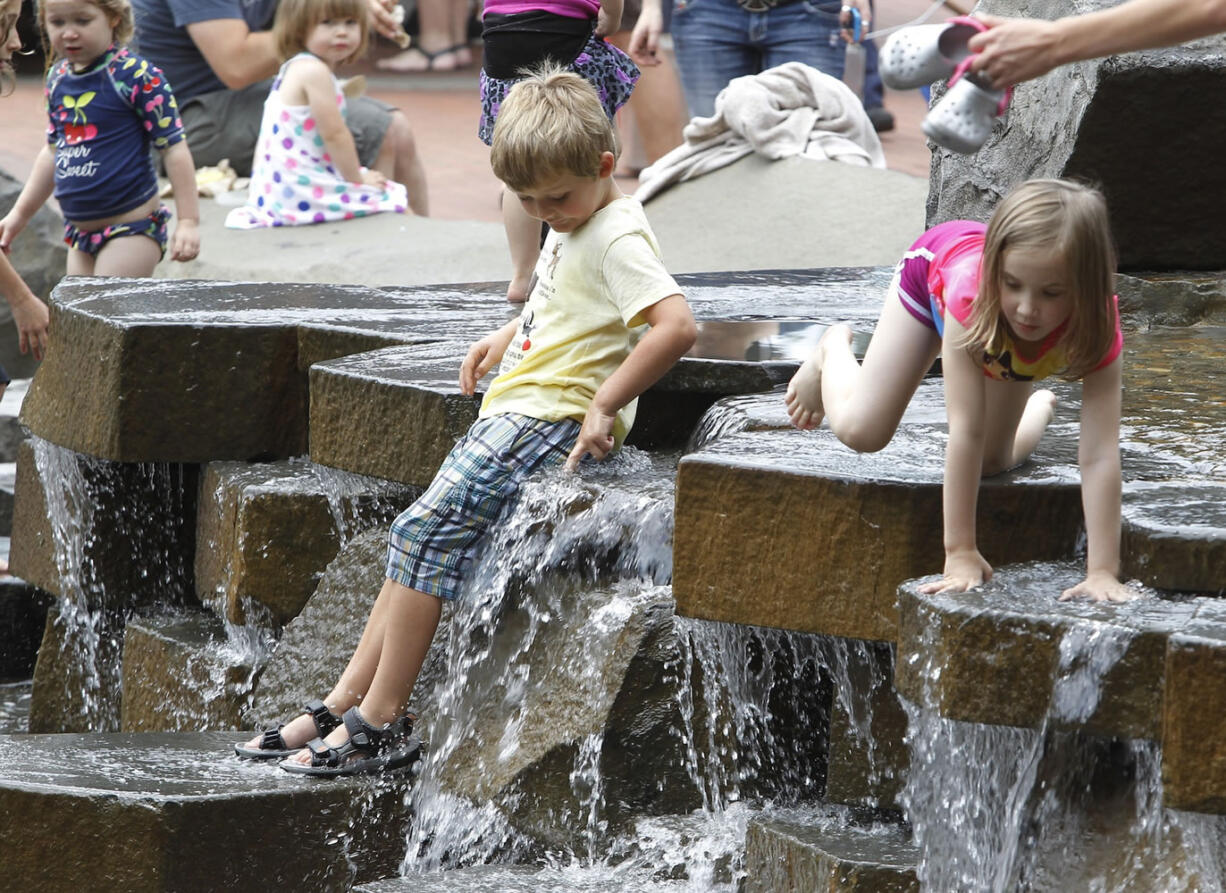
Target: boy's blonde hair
<point x="296" y="19"/>
<point x="117" y="12"/>
<point x="1070" y="220"/>
<point x="550" y="123"/>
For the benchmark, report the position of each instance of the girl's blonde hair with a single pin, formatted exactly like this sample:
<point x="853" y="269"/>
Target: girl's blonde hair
<point x="118" y="13"/>
<point x="550" y="123"/>
<point x="296" y="19"/>
<point x="1070" y="220"/>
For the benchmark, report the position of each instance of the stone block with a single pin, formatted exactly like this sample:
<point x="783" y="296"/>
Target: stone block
<point x="1173" y="535"/>
<point x="1068" y="124"/>
<point x="1171" y="299"/>
<point x="868" y="759"/>
<point x="844" y="529"/>
<point x="789" y="857"/>
<point x="181" y="675"/>
<point x="497" y="879"/>
<point x="266" y="531"/>
<point x="1011" y="654"/>
<point x="160" y="811"/>
<point x="77" y="684"/>
<point x="23" y="617"/>
<point x="1194" y="713"/>
<point x="393" y="413"/>
<point x="114" y="536"/>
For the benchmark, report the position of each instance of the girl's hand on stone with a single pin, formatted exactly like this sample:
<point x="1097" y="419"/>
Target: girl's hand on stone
<point x="32" y="320"/>
<point x="595" y="437"/>
<point x="1100" y="586"/>
<point x="186" y="242"/>
<point x="964" y="569"/>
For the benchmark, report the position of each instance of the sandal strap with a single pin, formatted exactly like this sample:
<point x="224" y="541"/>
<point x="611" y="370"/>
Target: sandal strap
<point x="270" y="739"/>
<point x="322" y="753"/>
<point x="325" y="719"/>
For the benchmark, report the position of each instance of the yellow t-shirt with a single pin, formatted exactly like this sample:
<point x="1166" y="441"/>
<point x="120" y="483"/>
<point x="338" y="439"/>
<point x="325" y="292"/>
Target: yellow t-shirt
<point x="582" y="318"/>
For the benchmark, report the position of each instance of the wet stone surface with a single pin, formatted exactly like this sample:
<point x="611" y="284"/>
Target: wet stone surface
<point x="266" y="531"/>
<point x="162" y="811"/>
<point x="1012" y="654"/>
<point x="180" y="675"/>
<point x="196" y="371"/>
<point x="504" y="879"/>
<point x="1194" y="716"/>
<point x="875" y="519"/>
<point x="781" y="855"/>
<point x="23" y="614"/>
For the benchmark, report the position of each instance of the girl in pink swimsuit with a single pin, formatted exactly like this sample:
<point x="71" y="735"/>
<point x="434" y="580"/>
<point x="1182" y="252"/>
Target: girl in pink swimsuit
<point x="1028" y="297"/>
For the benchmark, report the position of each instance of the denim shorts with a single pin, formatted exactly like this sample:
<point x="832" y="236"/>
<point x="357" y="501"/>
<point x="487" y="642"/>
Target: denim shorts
<point x="432" y="544"/>
<point x="716" y="41"/>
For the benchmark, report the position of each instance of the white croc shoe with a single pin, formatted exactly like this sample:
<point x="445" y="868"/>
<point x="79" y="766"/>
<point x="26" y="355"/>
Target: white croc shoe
<point x="962" y="120"/>
<point x="917" y="56"/>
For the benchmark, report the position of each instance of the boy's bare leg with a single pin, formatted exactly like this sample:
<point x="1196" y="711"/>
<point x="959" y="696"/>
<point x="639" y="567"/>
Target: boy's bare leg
<point x="412" y="618"/>
<point x="864" y="402"/>
<point x="134" y="256"/>
<point x="354" y="681"/>
<point x="524" y="240"/>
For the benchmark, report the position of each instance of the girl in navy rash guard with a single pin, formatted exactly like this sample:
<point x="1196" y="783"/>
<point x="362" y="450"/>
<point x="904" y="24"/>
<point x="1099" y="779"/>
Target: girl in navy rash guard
<point x="106" y="108"/>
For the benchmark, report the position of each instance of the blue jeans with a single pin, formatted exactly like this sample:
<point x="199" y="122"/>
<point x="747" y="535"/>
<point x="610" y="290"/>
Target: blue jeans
<point x="716" y="41"/>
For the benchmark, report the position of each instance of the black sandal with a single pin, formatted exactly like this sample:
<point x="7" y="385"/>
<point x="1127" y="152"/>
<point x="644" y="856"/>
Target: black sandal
<point x="273" y="747"/>
<point x="370" y="749"/>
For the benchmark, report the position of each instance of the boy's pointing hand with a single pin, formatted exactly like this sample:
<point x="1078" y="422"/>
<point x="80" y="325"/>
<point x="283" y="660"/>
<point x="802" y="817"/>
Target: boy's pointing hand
<point x="595" y="437"/>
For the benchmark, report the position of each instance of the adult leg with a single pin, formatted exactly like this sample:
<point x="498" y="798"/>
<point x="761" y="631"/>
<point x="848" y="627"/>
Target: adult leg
<point x="225" y="124"/>
<point x="802" y="32"/>
<point x="864" y="402"/>
<point x="524" y="241"/>
<point x="657" y="103"/>
<point x="132" y="256"/>
<point x="1014" y="422"/>
<point x="399" y="159"/>
<point x="711" y="40"/>
<point x="434" y="48"/>
<point x="412" y="618"/>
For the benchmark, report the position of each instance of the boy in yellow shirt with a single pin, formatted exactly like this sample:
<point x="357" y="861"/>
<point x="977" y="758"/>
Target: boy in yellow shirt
<point x="572" y="365"/>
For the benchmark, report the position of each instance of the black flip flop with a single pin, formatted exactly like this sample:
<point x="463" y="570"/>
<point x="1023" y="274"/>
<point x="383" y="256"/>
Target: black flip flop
<point x="272" y="746"/>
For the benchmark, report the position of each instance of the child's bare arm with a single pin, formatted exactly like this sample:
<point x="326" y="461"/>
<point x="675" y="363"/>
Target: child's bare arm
<point x="316" y="81"/>
<point x="965" y="567"/>
<point x="484" y="355"/>
<point x="1099" y="457"/>
<point x="33" y="196"/>
<point x="672" y="333"/>
<point x="29" y="312"/>
<point x="608" y="18"/>
<point x="181" y="170"/>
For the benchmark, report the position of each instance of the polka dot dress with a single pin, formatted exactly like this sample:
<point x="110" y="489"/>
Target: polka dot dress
<point x="293" y="180"/>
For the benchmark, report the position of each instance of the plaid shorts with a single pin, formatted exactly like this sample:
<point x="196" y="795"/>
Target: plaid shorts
<point x="432" y="543"/>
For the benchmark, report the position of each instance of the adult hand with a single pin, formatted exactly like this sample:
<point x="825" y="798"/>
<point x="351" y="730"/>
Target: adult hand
<point x="382" y="19"/>
<point x="845" y="19"/>
<point x="1100" y="586"/>
<point x="644" y="46"/>
<point x="964" y="569"/>
<point x="1014" y="50"/>
<point x="595" y="437"/>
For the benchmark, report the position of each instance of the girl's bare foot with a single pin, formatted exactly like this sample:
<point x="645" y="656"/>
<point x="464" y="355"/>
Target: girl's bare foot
<point x="804" y="395"/>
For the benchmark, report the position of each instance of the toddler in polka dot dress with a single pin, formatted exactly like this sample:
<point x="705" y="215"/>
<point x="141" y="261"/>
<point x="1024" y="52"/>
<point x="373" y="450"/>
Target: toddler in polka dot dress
<point x="306" y="167"/>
